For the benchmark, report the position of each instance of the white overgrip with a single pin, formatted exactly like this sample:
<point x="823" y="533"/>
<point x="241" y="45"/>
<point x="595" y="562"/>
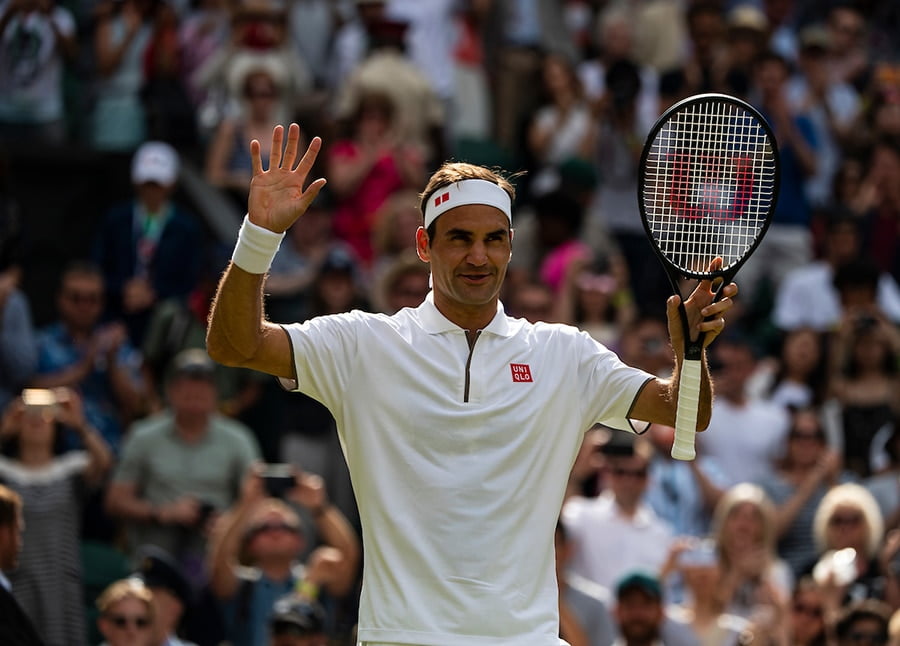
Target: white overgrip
<point x="686" y="412"/>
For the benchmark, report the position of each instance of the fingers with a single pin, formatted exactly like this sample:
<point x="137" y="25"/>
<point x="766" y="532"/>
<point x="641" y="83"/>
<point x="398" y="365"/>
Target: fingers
<point x="290" y="151"/>
<point x="275" y="153"/>
<point x="255" y="159"/>
<point x="310" y="193"/>
<point x="309" y="158"/>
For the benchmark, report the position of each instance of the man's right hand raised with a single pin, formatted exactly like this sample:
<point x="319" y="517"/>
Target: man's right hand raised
<point x="277" y="197"/>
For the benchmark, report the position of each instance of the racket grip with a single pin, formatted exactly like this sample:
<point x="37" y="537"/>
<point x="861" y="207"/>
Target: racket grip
<point x="686" y="412"/>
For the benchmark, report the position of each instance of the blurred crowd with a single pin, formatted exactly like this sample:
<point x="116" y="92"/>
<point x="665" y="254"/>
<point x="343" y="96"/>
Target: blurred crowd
<point x="166" y="500"/>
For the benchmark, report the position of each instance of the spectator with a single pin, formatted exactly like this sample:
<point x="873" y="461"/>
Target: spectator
<point x="639" y="611"/>
<point x="18" y="348"/>
<point x="755" y="582"/>
<point x="808" y="296"/>
<point x="367" y="166"/>
<point x="255" y="556"/>
<point x="172" y="595"/>
<point x="37" y="38"/>
<point x="833" y="106"/>
<point x="645" y="343"/>
<point x="584" y="607"/>
<point x="404" y="283"/>
<point x="746" y="38"/>
<point x="297" y="622"/>
<point x="848" y="517"/>
<point x="863" y="622"/>
<point x="16" y="627"/>
<point x="788" y="242"/>
<point x="745" y="436"/>
<point x="705" y="65"/>
<point x="883" y="484"/>
<point x="149" y="248"/>
<point x="52" y="487"/>
<point x="126" y="614"/>
<point x="562" y="127"/>
<point x="261" y="85"/>
<point x="808" y="626"/>
<point x="847" y="35"/>
<point x="292" y="276"/>
<point x="122" y="32"/>
<point x="617" y="530"/>
<point x="417" y="117"/>
<point x="864" y="379"/>
<point x="809" y="468"/>
<point x="682" y="493"/>
<point x="394" y="231"/>
<point x="180" y="467"/>
<point x="704" y="606"/>
<point x="77" y="351"/>
<point x="797" y="377"/>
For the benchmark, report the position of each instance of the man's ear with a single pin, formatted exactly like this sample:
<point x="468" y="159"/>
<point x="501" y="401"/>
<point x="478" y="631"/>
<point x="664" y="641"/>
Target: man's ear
<point x="422" y="245"/>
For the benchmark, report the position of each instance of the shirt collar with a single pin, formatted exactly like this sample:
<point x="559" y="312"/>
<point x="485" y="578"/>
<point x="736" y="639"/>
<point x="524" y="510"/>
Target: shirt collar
<point x="435" y="323"/>
<point x="4" y="582"/>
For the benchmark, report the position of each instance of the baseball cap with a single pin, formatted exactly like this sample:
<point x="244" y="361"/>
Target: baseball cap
<point x="155" y="161"/>
<point x="193" y="363"/>
<point x="639" y="580"/>
<point x="297" y="616"/>
<point x="158" y="569"/>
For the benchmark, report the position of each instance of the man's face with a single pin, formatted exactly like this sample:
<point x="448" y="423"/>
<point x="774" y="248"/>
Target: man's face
<point x="11" y="544"/>
<point x="80" y="301"/>
<point x="192" y="399"/>
<point x="469" y="255"/>
<point x="628" y="478"/>
<point x="639" y="615"/>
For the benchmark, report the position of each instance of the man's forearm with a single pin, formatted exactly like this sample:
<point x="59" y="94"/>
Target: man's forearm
<point x="236" y="317"/>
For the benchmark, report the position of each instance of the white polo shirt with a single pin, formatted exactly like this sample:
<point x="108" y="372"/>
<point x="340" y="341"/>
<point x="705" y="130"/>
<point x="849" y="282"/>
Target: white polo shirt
<point x="459" y="496"/>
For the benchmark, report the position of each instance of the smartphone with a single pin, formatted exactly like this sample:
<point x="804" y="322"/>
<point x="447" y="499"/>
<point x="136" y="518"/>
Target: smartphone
<point x="39" y="399"/>
<point x="700" y="555"/>
<point x="278" y="479"/>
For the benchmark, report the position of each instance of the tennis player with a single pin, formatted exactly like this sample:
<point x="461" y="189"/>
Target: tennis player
<point x="459" y="424"/>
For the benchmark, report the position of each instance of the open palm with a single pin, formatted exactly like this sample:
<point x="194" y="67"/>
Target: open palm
<point x="277" y="197"/>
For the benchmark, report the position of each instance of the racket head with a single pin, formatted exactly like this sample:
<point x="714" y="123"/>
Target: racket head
<point x="708" y="183"/>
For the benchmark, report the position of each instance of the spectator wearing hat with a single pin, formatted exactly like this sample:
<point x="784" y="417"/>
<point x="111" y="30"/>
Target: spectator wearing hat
<point x="149" y="248"/>
<point x="863" y="622"/>
<point x="639" y="612"/>
<point x="172" y="595"/>
<point x="254" y="557"/>
<point x="180" y="466"/>
<point x="296" y="621"/>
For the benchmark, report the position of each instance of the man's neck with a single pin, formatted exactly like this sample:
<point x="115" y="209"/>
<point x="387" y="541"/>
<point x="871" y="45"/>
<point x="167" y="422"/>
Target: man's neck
<point x="277" y="570"/>
<point x="191" y="431"/>
<point x="470" y="318"/>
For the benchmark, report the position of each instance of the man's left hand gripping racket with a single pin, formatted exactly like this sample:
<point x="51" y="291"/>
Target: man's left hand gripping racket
<point x="707" y="188"/>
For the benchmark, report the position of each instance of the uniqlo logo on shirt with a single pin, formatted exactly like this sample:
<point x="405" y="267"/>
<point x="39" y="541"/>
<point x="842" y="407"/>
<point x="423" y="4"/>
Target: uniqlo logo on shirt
<point x="520" y="372"/>
<point x="440" y="199"/>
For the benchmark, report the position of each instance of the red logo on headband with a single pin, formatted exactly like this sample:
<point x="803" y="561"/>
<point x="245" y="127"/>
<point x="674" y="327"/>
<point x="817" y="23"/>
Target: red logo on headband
<point x="520" y="372"/>
<point x="440" y="199"/>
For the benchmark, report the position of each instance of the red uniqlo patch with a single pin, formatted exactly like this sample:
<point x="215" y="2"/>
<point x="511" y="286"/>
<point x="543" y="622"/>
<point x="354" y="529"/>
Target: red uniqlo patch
<point x="440" y="199"/>
<point x="520" y="372"/>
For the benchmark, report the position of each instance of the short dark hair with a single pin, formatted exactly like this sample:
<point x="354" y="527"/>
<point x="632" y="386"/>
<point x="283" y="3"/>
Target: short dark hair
<point x="10" y="507"/>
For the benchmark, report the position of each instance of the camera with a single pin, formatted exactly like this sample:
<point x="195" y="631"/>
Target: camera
<point x="39" y="399"/>
<point x="701" y="554"/>
<point x="278" y="479"/>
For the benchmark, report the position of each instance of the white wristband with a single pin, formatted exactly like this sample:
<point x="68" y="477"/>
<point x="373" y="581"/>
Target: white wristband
<point x="255" y="248"/>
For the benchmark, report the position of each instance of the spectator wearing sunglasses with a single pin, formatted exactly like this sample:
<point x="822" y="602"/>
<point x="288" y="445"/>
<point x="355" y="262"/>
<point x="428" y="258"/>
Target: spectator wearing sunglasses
<point x="617" y="531"/>
<point x="863" y="623"/>
<point x="256" y="554"/>
<point x="126" y="614"/>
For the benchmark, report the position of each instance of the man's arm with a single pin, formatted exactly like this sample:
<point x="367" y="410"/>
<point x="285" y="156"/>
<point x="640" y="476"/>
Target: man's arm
<point x="238" y="334"/>
<point x="657" y="402"/>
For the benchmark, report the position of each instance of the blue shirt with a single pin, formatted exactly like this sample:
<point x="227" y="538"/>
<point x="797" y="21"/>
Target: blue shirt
<point x="57" y="351"/>
<point x="247" y="613"/>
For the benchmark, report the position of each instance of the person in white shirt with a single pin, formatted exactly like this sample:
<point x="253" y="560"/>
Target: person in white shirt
<point x="459" y="424"/>
<point x="617" y="531"/>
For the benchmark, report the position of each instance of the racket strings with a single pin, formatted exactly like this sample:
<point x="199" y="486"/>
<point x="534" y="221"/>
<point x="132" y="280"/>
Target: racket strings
<point x="709" y="182"/>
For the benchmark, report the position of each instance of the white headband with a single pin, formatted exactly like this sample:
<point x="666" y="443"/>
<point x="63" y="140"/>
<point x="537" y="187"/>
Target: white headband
<point x="467" y="191"/>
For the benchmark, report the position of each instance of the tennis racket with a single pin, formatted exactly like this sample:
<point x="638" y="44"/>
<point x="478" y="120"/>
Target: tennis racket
<point x="707" y="187"/>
